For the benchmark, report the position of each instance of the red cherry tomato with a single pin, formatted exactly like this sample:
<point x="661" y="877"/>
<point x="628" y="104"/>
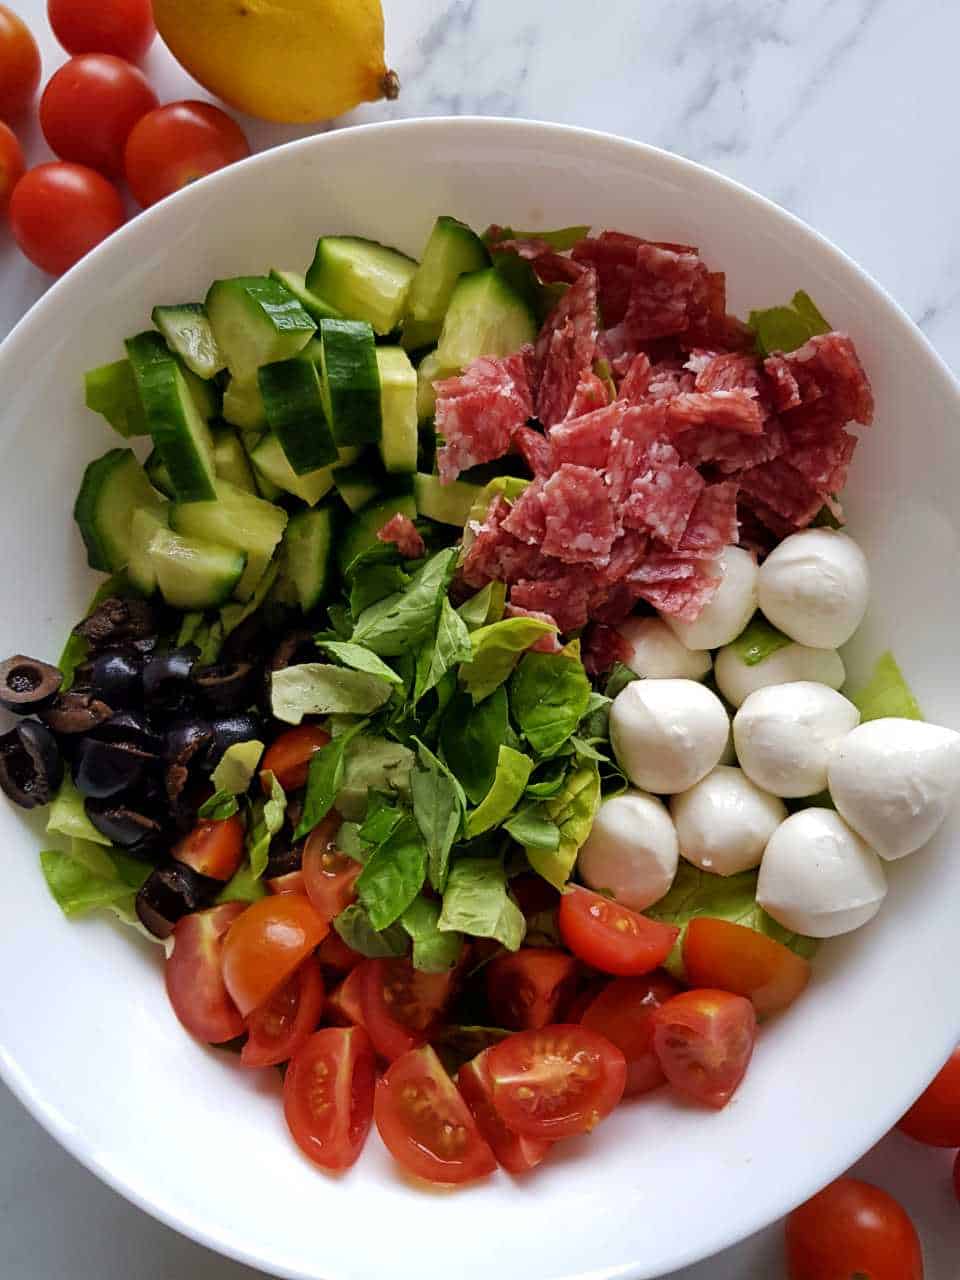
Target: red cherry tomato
<point x="704" y="1041"/>
<point x="344" y="1005"/>
<point x="611" y="937"/>
<point x="292" y="882"/>
<point x="11" y="165"/>
<point x="328" y="1095"/>
<point x="59" y="212"/>
<point x="400" y="1005"/>
<point x="193" y="977"/>
<point x="852" y="1229"/>
<point x="733" y="958"/>
<point x="516" y="1153"/>
<point x="556" y="1082"/>
<point x="213" y="848"/>
<point x="89" y="107"/>
<point x="288" y="758"/>
<point x="935" y="1117"/>
<point x="121" y="27"/>
<point x="19" y="65"/>
<point x="425" y="1123"/>
<point x="177" y="144"/>
<point x="623" y="1012"/>
<point x="330" y="877"/>
<point x="266" y="944"/>
<point x="333" y="953"/>
<point x="527" y="989"/>
<point x="280" y="1026"/>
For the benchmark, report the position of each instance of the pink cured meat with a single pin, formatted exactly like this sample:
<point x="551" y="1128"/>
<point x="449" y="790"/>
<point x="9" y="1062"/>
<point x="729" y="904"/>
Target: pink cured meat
<point x="534" y="448"/>
<point x="782" y="489"/>
<point x="833" y="387"/>
<point x="822" y="461"/>
<point x="713" y="523"/>
<point x="730" y="451"/>
<point x="566" y="347"/>
<point x="585" y="441"/>
<point x="603" y="648"/>
<point x="551" y="267"/>
<point x="675" y="586"/>
<point x="729" y="371"/>
<point x="581" y="526"/>
<point x="626" y="554"/>
<point x="668" y="292"/>
<point x="565" y="597"/>
<point x="638" y="427"/>
<point x="731" y="410"/>
<point x="401" y="531"/>
<point x="478" y="413"/>
<point x="663" y="494"/>
<point x="546" y="644"/>
<point x="495" y="555"/>
<point x="591" y="393"/>
<point x="636" y="380"/>
<point x="668" y="378"/>
<point x="613" y="255"/>
<point x="785" y="392"/>
<point x="527" y="520"/>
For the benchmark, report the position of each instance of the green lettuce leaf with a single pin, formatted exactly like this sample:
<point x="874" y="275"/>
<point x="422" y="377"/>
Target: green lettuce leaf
<point x="68" y="815"/>
<point x="316" y="689"/>
<point x="787" y="328"/>
<point x="88" y="877"/>
<point x="433" y="951"/>
<point x="243" y="887"/>
<point x="549" y="695"/>
<point x="394" y="874"/>
<point x="573" y="810"/>
<point x="439" y="804"/>
<point x="324" y="780"/>
<point x="476" y="903"/>
<point x="354" y="927"/>
<point x="618" y="679"/>
<point x="266" y="821"/>
<point x="758" y="641"/>
<point x="471" y="737"/>
<point x="449" y="648"/>
<point x="548" y="778"/>
<point x="508" y="487"/>
<point x="360" y="659"/>
<point x="886" y="693"/>
<point x="485" y="607"/>
<point x="373" y="582"/>
<point x="377" y="763"/>
<point x="509" y="783"/>
<point x="404" y="621"/>
<point x="220" y="806"/>
<point x="495" y="651"/>
<point x="559" y="241"/>
<point x="237" y="766"/>
<point x="531" y="827"/>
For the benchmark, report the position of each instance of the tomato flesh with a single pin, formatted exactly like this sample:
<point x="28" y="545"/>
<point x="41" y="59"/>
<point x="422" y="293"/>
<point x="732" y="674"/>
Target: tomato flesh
<point x="328" y="1095"/>
<point x="345" y="1003"/>
<point x="333" y="953"/>
<point x="264" y="946"/>
<point x="934" y="1118"/>
<point x="89" y="107"/>
<point x="292" y="882"/>
<point x="611" y="937"/>
<point x="213" y="848"/>
<point x="175" y="145"/>
<point x="193" y="977"/>
<point x="514" y="1152"/>
<point x="277" y="1029"/>
<point x="704" y="1042"/>
<point x="623" y="1012"/>
<point x="400" y="1005"/>
<point x="19" y="65"/>
<point x="555" y="1082"/>
<point x="121" y="27"/>
<point x="425" y="1123"/>
<point x="288" y="757"/>
<point x="12" y="165"/>
<point x="528" y="988"/>
<point x="59" y="212"/>
<point x="849" y="1230"/>
<point x="731" y="957"/>
<point x="330" y="877"/>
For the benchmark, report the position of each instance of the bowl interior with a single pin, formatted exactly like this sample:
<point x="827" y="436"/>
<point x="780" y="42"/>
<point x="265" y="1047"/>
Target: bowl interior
<point x="87" y="1038"/>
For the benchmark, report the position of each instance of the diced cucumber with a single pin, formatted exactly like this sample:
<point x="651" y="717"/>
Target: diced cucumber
<point x="237" y="520"/>
<point x="243" y="405"/>
<point x="255" y="321"/>
<point x="356" y="484"/>
<point x="187" y="330"/>
<point x="315" y="307"/>
<point x="293" y="398"/>
<point x="265" y="488"/>
<point x="308" y="555"/>
<point x="230" y="460"/>
<point x="112" y="391"/>
<point x="270" y="461"/>
<point x="179" y="431"/>
<point x="113" y="487"/>
<point x="361" y="533"/>
<point x="453" y="250"/>
<point x="362" y="279"/>
<point x="207" y="396"/>
<point x="485" y="318"/>
<point x="429" y="372"/>
<point x="398" y="405"/>
<point x="446" y="503"/>
<point x="141" y="570"/>
<point x="157" y="473"/>
<point x="193" y="574"/>
<point x="351" y="381"/>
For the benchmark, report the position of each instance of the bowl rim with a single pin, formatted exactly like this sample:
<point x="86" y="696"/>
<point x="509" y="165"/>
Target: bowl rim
<point x="141" y="229"/>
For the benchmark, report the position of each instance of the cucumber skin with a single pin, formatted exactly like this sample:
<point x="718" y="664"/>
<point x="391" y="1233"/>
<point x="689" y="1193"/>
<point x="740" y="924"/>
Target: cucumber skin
<point x="383" y="318"/>
<point x="294" y="404"/>
<point x="111" y="390"/>
<point x="202" y="356"/>
<point x="107" y="553"/>
<point x="310" y="534"/>
<point x="274" y="324"/>
<point x="314" y="306"/>
<point x="351" y="380"/>
<point x="452" y="250"/>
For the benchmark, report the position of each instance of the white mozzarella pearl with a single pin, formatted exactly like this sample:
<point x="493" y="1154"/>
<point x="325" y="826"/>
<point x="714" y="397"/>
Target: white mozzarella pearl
<point x="724" y="821"/>
<point x="657" y="654"/>
<point x="729" y="610"/>
<point x="631" y="851"/>
<point x="667" y="734"/>
<point x="736" y="680"/>
<point x="814" y="586"/>
<point x="783" y="735"/>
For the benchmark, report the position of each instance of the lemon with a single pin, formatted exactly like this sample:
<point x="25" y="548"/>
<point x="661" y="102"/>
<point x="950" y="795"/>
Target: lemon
<point x="291" y="61"/>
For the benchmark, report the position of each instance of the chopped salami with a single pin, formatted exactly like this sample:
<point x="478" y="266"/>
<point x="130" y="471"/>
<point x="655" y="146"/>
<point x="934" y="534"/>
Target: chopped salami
<point x="662" y="495"/>
<point x="402" y="532"/>
<point x="603" y="647"/>
<point x="668" y="292"/>
<point x="613" y="255"/>
<point x="527" y="519"/>
<point x="566" y="347"/>
<point x="678" y="587"/>
<point x="730" y="451"/>
<point x="581" y="525"/>
<point x="591" y="393"/>
<point x="669" y="378"/>
<point x="637" y="428"/>
<point x="785" y="392"/>
<point x="822" y="461"/>
<point x="565" y="597"/>
<point x="713" y="522"/>
<point x="495" y="555"/>
<point x="615" y="605"/>
<point x="551" y="267"/>
<point x="784" y="490"/>
<point x="636" y="381"/>
<point x="626" y="553"/>
<point x="833" y="387"/>
<point x="549" y="643"/>
<point x="730" y="371"/>
<point x="478" y="413"/>
<point x="729" y="410"/>
<point x="534" y="448"/>
<point x="755" y="535"/>
<point x="585" y="441"/>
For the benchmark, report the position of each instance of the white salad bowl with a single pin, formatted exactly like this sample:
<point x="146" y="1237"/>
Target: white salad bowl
<point x="87" y="1038"/>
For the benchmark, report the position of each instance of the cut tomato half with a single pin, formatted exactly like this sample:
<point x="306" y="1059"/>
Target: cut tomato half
<point x="328" y="1095"/>
<point x="194" y="978"/>
<point x="527" y="989"/>
<point x="516" y="1153"/>
<point x="611" y="937"/>
<point x="623" y="1012"/>
<point x="704" y="1042"/>
<point x="401" y="1005"/>
<point x="277" y="1029"/>
<point x="731" y="957"/>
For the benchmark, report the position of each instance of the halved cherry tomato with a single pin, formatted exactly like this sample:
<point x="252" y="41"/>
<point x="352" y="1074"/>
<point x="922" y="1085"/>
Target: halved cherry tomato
<point x="282" y="1023"/>
<point x="328" y="1095"/>
<point x="425" y="1123"/>
<point x="12" y="164"/>
<point x="288" y="758"/>
<point x="345" y="1003"/>
<point x="89" y="107"/>
<point x="611" y="937"/>
<point x="527" y="989"/>
<point x="623" y="1012"/>
<point x="704" y="1041"/>
<point x="334" y="953"/>
<point x="266" y="944"/>
<point x="19" y="65"/>
<point x="401" y="1005"/>
<point x="516" y="1153"/>
<point x="733" y="958"/>
<point x="292" y="882"/>
<point x="123" y="27"/>
<point x="59" y="212"/>
<point x="193" y="976"/>
<point x="175" y="145"/>
<point x="213" y="848"/>
<point x="330" y="877"/>
<point x="852" y="1229"/>
<point x="934" y="1118"/>
<point x="556" y="1082"/>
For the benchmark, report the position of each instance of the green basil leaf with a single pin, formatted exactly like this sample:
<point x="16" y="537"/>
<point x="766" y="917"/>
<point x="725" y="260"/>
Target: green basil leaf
<point x="485" y="607"/>
<point x="377" y="763"/>
<point x="393" y="874"/>
<point x="324" y="780"/>
<point x="758" y="641"/>
<point x="510" y="780"/>
<point x="787" y="328"/>
<point x="886" y="693"/>
<point x="438" y="807"/>
<point x="354" y="927"/>
<point x="573" y="810"/>
<point x="68" y="815"/>
<point x="373" y="584"/>
<point x="316" y="689"/>
<point x="243" y="887"/>
<point x="548" y="778"/>
<point x="476" y="903"/>
<point x="471" y="737"/>
<point x="496" y="650"/>
<point x="433" y="951"/>
<point x="266" y="821"/>
<point x="531" y="827"/>
<point x="220" y="806"/>
<point x="549" y="696"/>
<point x="404" y="621"/>
<point x="450" y="646"/>
<point x="360" y="659"/>
<point x="382" y="819"/>
<point x="237" y="766"/>
<point x="618" y="679"/>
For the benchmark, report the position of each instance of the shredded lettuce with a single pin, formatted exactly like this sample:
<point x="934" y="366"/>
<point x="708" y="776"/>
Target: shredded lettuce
<point x="509" y="783"/>
<point x="886" y="693"/>
<point x="68" y="816"/>
<point x="266" y="821"/>
<point x="372" y="762"/>
<point x="476" y="903"/>
<point x="88" y="877"/>
<point x="236" y="768"/>
<point x="573" y="810"/>
<point x="317" y="689"/>
<point x="485" y="607"/>
<point x="220" y="806"/>
<point x="758" y="641"/>
<point x="243" y="887"/>
<point x="495" y="651"/>
<point x="787" y="328"/>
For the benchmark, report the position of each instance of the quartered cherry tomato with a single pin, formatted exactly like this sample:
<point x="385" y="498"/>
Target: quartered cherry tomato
<point x="265" y="944"/>
<point x="328" y="1095"/>
<point x="330" y="877"/>
<point x="288" y="757"/>
<point x="516" y="1153"/>
<point x="623" y="1012"/>
<point x="852" y="1229"/>
<point x="400" y="1005"/>
<point x="276" y="1030"/>
<point x="611" y="937"/>
<point x="194" y="979"/>
<point x="733" y="958"/>
<point x="527" y="989"/>
<point x="213" y="848"/>
<point x="344" y="1005"/>
<point x="704" y="1042"/>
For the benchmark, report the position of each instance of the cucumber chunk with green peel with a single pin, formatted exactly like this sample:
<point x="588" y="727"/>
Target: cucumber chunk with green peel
<point x="362" y="279"/>
<point x="485" y="318"/>
<point x="315" y="307"/>
<point x="445" y="503"/>
<point x="112" y="390"/>
<point x="187" y="330"/>
<point x="308" y="555"/>
<point x="238" y="520"/>
<point x="243" y="405"/>
<point x="351" y="380"/>
<point x="430" y="371"/>
<point x="256" y="320"/>
<point x="141" y="570"/>
<point x="230" y="460"/>
<point x="192" y="573"/>
<point x="157" y="473"/>
<point x="265" y="487"/>
<point x="356" y="484"/>
<point x="113" y="487"/>
<point x="293" y="399"/>
<point x="361" y="533"/>
<point x="270" y="461"/>
<point x="453" y="250"/>
<point x="398" y="407"/>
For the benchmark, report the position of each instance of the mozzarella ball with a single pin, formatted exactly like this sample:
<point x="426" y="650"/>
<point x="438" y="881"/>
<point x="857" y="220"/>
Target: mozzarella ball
<point x="736" y="680"/>
<point x="724" y="822"/>
<point x="783" y="735"/>
<point x="631" y="851"/>
<point x="894" y="781"/>
<point x="730" y="608"/>
<point x="657" y="654"/>
<point x="818" y="877"/>
<point x="667" y="734"/>
<point x="814" y="586"/>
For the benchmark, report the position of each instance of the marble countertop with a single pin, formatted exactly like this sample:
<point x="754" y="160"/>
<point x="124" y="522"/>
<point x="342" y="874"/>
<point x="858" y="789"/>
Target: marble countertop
<point x="844" y="112"/>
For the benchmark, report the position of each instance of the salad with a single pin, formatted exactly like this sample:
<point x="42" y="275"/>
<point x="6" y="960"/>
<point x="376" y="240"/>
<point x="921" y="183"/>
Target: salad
<point x="464" y="710"/>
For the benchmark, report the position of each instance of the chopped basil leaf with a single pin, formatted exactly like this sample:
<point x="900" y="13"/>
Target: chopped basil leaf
<point x="549" y="695"/>
<point x="509" y="782"/>
<point x="476" y="903"/>
<point x="405" y="620"/>
<point x="324" y="780"/>
<point x="495" y="651"/>
<point x="237" y="766"/>
<point x="433" y="951"/>
<point x="354" y="927"/>
<point x="220" y="806"/>
<point x="360" y="659"/>
<point x="316" y="689"/>
<point x="393" y="874"/>
<point x="471" y="737"/>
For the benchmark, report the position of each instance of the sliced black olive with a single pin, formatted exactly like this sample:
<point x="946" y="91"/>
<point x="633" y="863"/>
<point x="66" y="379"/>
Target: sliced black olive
<point x="28" y="685"/>
<point x="169" y="894"/>
<point x="296" y="646"/>
<point x="229" y="730"/>
<point x="283" y="860"/>
<point x="227" y="686"/>
<point x="103" y="769"/>
<point x="125" y="826"/>
<point x="116" y="677"/>
<point x="184" y="738"/>
<point x="166" y="679"/>
<point x="117" y="621"/>
<point x="76" y="712"/>
<point x="248" y="642"/>
<point x="132" y="727"/>
<point x="31" y="766"/>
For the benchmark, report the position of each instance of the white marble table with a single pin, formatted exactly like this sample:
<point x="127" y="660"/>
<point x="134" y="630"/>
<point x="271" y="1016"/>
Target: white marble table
<point x="844" y="111"/>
